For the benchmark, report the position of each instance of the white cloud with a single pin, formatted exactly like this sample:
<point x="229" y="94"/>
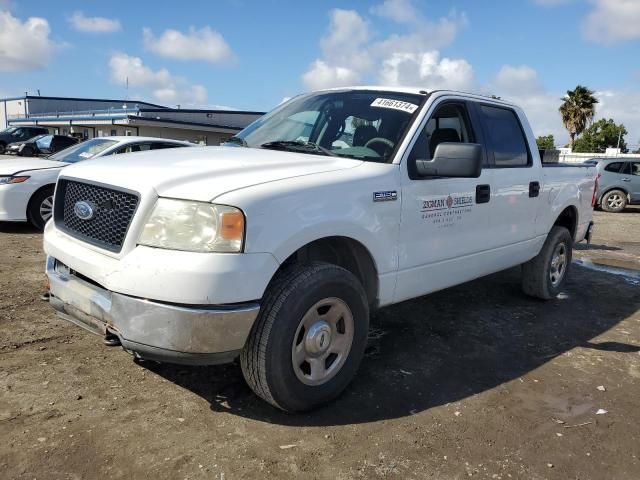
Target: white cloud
<point x="427" y="70"/>
<point x="204" y="44"/>
<point x="94" y="24"/>
<point x="322" y="75"/>
<point x="426" y="36"/>
<point x="164" y="86"/>
<point x="400" y="11"/>
<point x="345" y="56"/>
<point x="612" y="21"/>
<point x="24" y="46"/>
<point x="349" y="55"/>
<point x="521" y="79"/>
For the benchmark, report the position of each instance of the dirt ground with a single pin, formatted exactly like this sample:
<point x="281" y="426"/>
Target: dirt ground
<point x="474" y="381"/>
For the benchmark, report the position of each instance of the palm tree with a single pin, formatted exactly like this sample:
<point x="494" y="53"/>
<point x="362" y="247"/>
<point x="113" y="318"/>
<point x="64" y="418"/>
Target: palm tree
<point x="577" y="110"/>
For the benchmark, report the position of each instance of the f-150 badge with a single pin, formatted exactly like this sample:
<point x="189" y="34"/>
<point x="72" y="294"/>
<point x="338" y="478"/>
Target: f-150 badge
<point x="387" y="196"/>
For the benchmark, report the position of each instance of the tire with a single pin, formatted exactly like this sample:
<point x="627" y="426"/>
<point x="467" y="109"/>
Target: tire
<point x="544" y="275"/>
<point x="40" y="204"/>
<point x="614" y="201"/>
<point x="278" y="356"/>
<point x="27" y="152"/>
<point x="2" y="148"/>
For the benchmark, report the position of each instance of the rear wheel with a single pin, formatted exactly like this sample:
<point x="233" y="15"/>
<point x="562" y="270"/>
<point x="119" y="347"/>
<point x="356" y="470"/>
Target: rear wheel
<point x="544" y="275"/>
<point x="309" y="338"/>
<point x="2" y="148"/>
<point x="614" y="201"/>
<point x="40" y="208"/>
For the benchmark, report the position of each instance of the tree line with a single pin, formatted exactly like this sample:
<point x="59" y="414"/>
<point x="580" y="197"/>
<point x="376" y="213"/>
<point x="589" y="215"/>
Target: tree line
<point x="577" y="110"/>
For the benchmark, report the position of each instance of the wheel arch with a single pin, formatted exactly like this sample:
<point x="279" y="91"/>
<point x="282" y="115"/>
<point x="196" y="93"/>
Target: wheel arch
<point x="43" y="187"/>
<point x="345" y="252"/>
<point x="568" y="218"/>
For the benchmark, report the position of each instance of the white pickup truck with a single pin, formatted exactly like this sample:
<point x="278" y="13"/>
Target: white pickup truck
<point x="277" y="247"/>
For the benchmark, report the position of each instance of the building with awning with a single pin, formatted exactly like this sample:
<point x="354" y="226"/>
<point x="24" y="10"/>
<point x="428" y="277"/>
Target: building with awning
<point x="88" y="118"/>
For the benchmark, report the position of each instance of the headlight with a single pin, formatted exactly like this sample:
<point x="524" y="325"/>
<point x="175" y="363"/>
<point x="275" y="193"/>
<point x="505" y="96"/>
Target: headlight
<point x="11" y="179"/>
<point x="194" y="227"/>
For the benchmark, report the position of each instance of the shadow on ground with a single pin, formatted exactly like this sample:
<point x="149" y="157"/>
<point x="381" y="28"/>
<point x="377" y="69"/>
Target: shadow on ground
<point x="443" y="348"/>
<point x="17" y="227"/>
<point x="595" y="246"/>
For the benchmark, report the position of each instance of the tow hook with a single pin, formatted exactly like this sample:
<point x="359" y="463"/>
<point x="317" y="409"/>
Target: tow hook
<point x="111" y="339"/>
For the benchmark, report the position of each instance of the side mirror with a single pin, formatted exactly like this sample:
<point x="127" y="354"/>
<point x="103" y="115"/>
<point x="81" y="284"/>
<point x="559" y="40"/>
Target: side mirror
<point x="461" y="160"/>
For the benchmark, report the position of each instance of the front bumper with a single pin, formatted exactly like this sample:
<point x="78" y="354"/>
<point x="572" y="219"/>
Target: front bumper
<point x="193" y="335"/>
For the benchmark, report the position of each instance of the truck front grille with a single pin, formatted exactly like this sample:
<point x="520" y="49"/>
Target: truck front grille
<point x="107" y="219"/>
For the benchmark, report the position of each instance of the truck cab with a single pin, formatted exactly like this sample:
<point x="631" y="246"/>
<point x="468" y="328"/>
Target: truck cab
<point x="276" y="247"/>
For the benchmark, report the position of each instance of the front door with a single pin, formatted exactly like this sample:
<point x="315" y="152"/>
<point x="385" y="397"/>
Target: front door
<point x="633" y="179"/>
<point x="444" y="225"/>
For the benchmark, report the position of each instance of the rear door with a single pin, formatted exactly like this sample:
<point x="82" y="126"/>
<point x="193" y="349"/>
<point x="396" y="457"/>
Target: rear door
<point x="515" y="179"/>
<point x="632" y="177"/>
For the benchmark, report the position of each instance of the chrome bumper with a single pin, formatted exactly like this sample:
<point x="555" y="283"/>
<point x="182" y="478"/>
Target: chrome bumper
<point x="195" y="335"/>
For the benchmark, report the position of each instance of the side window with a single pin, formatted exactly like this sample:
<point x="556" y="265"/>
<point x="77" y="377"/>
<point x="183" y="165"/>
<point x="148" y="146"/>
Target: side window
<point x="635" y="168"/>
<point x="613" y="167"/>
<point x="506" y="137"/>
<point x="160" y="146"/>
<point x="135" y="147"/>
<point x="449" y="123"/>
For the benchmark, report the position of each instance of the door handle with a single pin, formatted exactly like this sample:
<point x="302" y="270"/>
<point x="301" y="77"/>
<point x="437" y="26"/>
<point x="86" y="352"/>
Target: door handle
<point x="534" y="189"/>
<point x="626" y="179"/>
<point x="483" y="193"/>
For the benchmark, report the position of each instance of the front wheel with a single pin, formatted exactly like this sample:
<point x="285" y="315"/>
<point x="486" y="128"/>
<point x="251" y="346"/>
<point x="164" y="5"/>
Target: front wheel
<point x="309" y="338"/>
<point x="544" y="275"/>
<point x="40" y="208"/>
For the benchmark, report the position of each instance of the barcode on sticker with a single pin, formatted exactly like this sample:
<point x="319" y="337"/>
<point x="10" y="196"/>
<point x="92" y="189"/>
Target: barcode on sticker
<point x="395" y="104"/>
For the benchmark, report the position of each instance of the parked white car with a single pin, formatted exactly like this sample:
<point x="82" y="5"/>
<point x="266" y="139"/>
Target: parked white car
<point x="277" y="250"/>
<point x="27" y="185"/>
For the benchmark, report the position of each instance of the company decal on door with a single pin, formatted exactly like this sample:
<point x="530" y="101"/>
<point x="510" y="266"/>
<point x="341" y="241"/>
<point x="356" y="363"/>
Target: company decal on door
<point x="444" y="212"/>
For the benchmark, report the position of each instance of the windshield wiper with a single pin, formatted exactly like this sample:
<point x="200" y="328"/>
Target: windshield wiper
<point x="296" y="146"/>
<point x="237" y="141"/>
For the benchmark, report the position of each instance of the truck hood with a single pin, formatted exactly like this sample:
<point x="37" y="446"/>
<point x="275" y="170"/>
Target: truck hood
<point x="11" y="167"/>
<point x="202" y="173"/>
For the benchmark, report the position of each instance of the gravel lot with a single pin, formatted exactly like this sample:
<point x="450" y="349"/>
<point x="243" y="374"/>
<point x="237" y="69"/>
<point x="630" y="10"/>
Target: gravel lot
<point x="474" y="381"/>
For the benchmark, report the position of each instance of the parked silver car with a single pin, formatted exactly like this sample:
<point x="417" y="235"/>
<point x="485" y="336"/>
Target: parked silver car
<point x="618" y="182"/>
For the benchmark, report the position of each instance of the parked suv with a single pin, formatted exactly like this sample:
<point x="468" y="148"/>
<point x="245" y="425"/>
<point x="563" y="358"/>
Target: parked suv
<point x="19" y="134"/>
<point x="618" y="183"/>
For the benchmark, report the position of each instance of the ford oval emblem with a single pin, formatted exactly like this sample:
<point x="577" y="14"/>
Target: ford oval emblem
<point x="84" y="210"/>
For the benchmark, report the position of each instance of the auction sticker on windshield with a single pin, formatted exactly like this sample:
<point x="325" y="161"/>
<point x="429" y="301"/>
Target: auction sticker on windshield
<point x="394" y="104"/>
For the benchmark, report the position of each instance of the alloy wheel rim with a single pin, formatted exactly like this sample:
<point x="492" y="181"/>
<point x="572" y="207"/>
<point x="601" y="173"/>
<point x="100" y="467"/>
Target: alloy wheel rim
<point x="558" y="264"/>
<point x="46" y="208"/>
<point x="322" y="341"/>
<point x="615" y="201"/>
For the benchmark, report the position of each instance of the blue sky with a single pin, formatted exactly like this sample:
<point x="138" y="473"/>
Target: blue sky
<point x="252" y="54"/>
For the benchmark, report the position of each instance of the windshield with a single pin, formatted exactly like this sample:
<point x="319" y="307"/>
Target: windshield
<point x="9" y="130"/>
<point x="83" y="151"/>
<point x="361" y="124"/>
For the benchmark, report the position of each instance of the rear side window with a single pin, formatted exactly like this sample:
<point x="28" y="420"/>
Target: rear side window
<point x="506" y="137"/>
<point x="160" y="146"/>
<point x="635" y="168"/>
<point x="613" y="167"/>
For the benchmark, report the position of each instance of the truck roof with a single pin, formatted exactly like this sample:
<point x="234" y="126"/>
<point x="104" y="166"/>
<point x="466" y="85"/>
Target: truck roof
<point x="421" y="91"/>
